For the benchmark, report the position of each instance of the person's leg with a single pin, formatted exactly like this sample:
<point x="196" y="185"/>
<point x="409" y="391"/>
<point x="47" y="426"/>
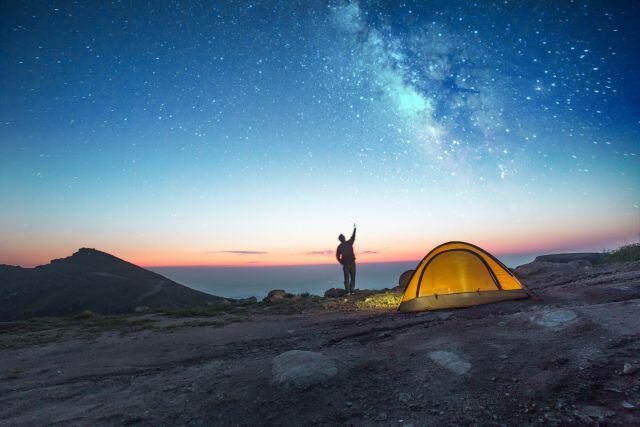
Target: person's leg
<point x="353" y="277"/>
<point x="345" y="271"/>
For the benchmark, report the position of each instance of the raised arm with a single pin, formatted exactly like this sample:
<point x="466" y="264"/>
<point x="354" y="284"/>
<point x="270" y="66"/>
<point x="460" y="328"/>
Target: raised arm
<point x="353" y="236"/>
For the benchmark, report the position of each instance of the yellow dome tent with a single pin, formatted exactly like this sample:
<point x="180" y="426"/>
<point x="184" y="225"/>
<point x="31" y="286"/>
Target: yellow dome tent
<point x="459" y="274"/>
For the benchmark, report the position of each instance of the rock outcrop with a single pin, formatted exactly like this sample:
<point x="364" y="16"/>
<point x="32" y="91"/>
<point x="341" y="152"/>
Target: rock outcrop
<point x="334" y="293"/>
<point x="302" y="369"/>
<point x="277" y="295"/>
<point x="450" y="361"/>
<point x="543" y="267"/>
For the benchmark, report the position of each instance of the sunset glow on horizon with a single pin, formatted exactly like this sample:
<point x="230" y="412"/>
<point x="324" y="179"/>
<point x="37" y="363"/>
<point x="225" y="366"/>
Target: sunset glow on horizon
<point x="213" y="139"/>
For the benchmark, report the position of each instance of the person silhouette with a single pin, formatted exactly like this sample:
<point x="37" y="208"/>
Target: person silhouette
<point x="347" y="258"/>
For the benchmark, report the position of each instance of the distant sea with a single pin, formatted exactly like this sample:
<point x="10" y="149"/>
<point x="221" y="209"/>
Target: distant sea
<point x="242" y="282"/>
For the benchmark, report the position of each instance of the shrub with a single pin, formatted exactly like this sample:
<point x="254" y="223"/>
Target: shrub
<point x="624" y="254"/>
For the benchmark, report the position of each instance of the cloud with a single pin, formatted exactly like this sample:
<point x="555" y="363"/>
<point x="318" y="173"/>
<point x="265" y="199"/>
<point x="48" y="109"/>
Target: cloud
<point x="328" y="252"/>
<point x="325" y="252"/>
<point x="242" y="252"/>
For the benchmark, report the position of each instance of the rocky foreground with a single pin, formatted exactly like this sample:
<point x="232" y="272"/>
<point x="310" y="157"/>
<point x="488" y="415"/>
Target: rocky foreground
<point x="569" y="356"/>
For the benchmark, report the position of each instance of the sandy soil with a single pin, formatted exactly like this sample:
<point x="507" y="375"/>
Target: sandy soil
<point x="556" y="359"/>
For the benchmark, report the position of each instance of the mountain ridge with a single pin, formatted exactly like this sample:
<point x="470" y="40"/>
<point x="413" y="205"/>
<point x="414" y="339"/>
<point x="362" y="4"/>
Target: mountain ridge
<point x="90" y="279"/>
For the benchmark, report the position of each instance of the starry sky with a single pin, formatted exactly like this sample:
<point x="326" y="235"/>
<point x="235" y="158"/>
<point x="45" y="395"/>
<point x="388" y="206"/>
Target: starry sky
<point x="253" y="133"/>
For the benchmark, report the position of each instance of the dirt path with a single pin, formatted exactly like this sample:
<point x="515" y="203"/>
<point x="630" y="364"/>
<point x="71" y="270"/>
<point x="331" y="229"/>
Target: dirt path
<point x="556" y="360"/>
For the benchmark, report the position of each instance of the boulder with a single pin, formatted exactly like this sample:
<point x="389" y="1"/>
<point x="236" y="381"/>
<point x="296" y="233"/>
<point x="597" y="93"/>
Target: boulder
<point x="597" y="413"/>
<point x="302" y="369"/>
<point x="276" y="295"/>
<point x="543" y="267"/>
<point x="335" y="293"/>
<point x="403" y="281"/>
<point x="629" y="369"/>
<point x="554" y="318"/>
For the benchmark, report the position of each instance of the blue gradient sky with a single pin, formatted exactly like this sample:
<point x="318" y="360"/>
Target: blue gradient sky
<point x="195" y="133"/>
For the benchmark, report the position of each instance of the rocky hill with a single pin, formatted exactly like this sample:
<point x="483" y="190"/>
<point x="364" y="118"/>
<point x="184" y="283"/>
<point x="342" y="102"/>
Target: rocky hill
<point x="89" y="280"/>
<point x="567" y="356"/>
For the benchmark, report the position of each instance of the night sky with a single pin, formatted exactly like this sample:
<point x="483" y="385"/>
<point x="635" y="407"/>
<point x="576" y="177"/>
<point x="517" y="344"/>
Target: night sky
<point x="184" y="133"/>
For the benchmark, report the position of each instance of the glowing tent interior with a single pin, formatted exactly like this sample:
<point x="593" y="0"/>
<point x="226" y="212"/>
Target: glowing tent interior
<point x="459" y="274"/>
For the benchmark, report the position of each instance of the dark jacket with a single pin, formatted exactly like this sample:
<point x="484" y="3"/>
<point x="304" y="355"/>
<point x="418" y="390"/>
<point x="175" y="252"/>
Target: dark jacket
<point x="344" y="252"/>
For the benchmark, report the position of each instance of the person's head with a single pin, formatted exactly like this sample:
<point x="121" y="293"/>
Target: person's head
<point x="341" y="238"/>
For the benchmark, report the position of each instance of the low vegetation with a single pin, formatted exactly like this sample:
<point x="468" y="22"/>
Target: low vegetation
<point x="88" y="324"/>
<point x="290" y="304"/>
<point x="208" y="311"/>
<point x="381" y="301"/>
<point x="626" y="253"/>
<point x="41" y="330"/>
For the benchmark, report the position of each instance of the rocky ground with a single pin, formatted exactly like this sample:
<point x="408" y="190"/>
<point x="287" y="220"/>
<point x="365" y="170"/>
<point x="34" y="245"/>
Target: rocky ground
<point x="568" y="356"/>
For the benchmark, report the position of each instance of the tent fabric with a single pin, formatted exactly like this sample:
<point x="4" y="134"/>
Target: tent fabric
<point x="459" y="274"/>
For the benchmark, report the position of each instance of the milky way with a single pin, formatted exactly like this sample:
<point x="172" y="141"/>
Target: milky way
<point x="503" y="83"/>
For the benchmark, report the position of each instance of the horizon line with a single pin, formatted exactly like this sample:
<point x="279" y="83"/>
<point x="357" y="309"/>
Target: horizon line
<point x="253" y="265"/>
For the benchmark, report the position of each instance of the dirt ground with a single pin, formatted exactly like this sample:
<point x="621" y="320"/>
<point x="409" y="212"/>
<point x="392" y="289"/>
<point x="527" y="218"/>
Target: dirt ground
<point x="557" y="359"/>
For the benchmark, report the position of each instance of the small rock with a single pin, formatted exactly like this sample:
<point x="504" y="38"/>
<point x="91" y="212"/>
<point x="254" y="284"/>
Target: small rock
<point x="629" y="369"/>
<point x="596" y="412"/>
<point x="404" y="397"/>
<point x="627" y="405"/>
<point x="301" y="369"/>
<point x="555" y="318"/>
<point x="450" y="361"/>
<point x="551" y="417"/>
<point x="381" y="416"/>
